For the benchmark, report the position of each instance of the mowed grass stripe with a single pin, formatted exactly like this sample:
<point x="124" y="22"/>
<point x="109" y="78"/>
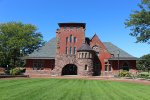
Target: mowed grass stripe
<point x="34" y="92"/>
<point x="71" y="89"/>
<point x="130" y="90"/>
<point x="26" y="89"/>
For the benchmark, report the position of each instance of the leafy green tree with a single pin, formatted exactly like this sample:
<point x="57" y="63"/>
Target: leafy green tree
<point x="139" y="22"/>
<point x="144" y="63"/>
<point x="17" y="40"/>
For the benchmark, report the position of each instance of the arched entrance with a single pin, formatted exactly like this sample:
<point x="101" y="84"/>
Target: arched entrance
<point x="69" y="69"/>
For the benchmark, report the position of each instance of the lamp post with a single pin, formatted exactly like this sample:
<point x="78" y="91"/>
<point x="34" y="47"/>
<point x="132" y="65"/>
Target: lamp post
<point x="118" y="53"/>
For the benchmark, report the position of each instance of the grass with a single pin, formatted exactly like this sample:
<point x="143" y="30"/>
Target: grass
<point x="71" y="89"/>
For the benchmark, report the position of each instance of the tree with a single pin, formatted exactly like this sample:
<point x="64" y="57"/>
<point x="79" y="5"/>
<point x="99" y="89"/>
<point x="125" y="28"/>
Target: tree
<point x="144" y="63"/>
<point x="16" y="40"/>
<point x="139" y="22"/>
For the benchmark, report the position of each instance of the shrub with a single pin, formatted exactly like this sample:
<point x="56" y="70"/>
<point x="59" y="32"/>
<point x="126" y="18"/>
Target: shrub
<point x="146" y="76"/>
<point x="7" y="72"/>
<point x="124" y="73"/>
<point x="15" y="71"/>
<point x="22" y="70"/>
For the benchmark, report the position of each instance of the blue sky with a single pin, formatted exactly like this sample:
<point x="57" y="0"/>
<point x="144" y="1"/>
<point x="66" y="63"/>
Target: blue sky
<point x="104" y="17"/>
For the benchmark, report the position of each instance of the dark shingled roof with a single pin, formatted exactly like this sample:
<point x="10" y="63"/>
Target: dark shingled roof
<point x="85" y="47"/>
<point x="49" y="50"/>
<point x="111" y="48"/>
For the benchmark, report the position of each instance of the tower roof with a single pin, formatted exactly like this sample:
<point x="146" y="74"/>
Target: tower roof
<point x="85" y="47"/>
<point x="72" y="24"/>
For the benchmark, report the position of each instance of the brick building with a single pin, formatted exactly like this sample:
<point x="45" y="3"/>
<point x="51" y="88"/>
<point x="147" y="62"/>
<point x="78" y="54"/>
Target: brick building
<point x="71" y="53"/>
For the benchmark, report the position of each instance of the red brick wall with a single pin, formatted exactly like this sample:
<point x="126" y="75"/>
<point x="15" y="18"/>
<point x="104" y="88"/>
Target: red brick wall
<point x="103" y="54"/>
<point x="61" y="35"/>
<point x="48" y="64"/>
<point x="132" y="64"/>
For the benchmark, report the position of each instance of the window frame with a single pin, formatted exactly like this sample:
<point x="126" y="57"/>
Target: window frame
<point x="75" y="39"/>
<point x="75" y="49"/>
<point x="66" y="50"/>
<point x="71" y="50"/>
<point x="71" y="38"/>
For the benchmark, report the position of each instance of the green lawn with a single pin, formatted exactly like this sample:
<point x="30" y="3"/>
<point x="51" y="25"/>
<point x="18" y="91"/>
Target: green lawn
<point x="71" y="89"/>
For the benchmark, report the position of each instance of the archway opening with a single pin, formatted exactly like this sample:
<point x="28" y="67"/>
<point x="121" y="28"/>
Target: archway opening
<point x="69" y="69"/>
<point x="125" y="66"/>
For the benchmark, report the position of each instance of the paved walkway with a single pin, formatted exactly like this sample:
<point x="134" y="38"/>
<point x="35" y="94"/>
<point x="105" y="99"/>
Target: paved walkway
<point x="146" y="82"/>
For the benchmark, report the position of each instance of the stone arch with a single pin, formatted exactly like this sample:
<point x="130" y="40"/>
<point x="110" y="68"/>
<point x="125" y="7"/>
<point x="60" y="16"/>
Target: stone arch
<point x="69" y="69"/>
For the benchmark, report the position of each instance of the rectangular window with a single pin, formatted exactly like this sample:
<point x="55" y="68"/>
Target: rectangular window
<point x="71" y="50"/>
<point x="71" y="27"/>
<point x="86" y="67"/>
<point x="66" y="39"/>
<point x="70" y="38"/>
<point x="86" y="55"/>
<point x="75" y="39"/>
<point x="74" y="50"/>
<point x="66" y="50"/>
<point x="78" y="27"/>
<point x="65" y="27"/>
<point x="110" y="68"/>
<point x="38" y="65"/>
<point x="106" y="68"/>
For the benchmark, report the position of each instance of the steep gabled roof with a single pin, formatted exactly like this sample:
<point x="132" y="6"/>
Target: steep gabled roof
<point x="85" y="47"/>
<point x="48" y="51"/>
<point x="97" y="40"/>
<point x="111" y="48"/>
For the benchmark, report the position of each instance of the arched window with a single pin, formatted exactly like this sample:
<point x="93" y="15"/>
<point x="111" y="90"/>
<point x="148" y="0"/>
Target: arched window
<point x="82" y="55"/>
<point x="85" y="55"/>
<point x="125" y="66"/>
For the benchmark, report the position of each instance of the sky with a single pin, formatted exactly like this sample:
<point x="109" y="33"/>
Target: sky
<point x="104" y="17"/>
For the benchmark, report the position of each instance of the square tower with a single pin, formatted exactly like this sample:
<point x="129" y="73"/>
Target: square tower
<point x="70" y="37"/>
